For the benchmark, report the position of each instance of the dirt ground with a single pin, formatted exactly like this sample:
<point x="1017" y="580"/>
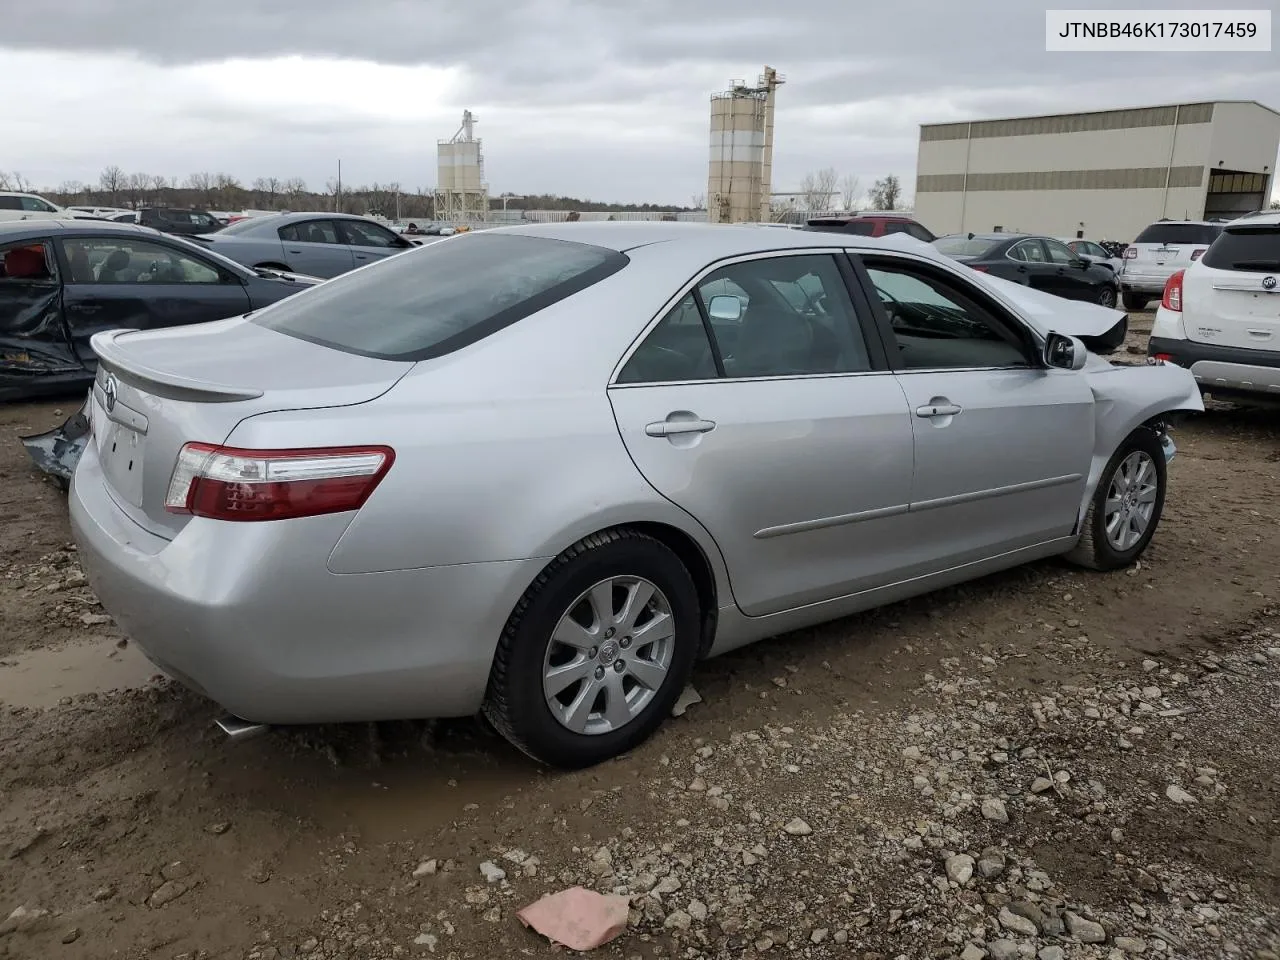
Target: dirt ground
<point x="1043" y="763"/>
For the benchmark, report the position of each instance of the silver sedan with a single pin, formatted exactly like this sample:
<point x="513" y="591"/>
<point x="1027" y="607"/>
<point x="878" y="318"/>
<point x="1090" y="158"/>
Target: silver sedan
<point x="540" y="471"/>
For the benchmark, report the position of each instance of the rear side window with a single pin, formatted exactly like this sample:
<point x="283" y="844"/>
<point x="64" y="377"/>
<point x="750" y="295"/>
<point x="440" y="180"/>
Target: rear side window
<point x="861" y="228"/>
<point x="442" y="297"/>
<point x="1255" y="247"/>
<point x="1179" y="233"/>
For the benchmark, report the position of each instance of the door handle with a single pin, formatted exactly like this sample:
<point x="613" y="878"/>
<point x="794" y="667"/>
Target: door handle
<point x="674" y="428"/>
<point x="930" y="410"/>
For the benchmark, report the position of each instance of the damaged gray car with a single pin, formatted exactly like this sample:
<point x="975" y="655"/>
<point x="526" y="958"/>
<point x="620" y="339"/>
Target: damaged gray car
<point x="62" y="281"/>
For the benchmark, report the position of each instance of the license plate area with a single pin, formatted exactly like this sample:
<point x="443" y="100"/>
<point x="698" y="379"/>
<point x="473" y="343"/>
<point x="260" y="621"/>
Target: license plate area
<point x="121" y="451"/>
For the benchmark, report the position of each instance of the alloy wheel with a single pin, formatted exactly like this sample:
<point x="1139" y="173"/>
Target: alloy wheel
<point x="1131" y="501"/>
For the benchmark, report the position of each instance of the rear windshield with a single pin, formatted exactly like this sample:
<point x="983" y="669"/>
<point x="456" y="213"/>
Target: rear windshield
<point x="436" y="299"/>
<point x="862" y="228"/>
<point x="1179" y="233"/>
<point x="964" y="247"/>
<point x="1255" y="247"/>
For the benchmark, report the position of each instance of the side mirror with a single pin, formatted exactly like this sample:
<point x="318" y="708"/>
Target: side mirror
<point x="725" y="307"/>
<point x="1065" y="353"/>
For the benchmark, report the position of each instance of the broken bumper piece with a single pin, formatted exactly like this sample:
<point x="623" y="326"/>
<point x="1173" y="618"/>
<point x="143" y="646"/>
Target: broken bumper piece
<point x="57" y="451"/>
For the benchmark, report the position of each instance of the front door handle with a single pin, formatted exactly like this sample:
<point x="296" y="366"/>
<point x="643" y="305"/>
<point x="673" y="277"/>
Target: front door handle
<point x="674" y="428"/>
<point x="938" y="410"/>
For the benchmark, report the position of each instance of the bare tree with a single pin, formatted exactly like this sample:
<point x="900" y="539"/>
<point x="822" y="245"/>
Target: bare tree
<point x="138" y="185"/>
<point x="886" y="193"/>
<point x="849" y="194"/>
<point x="111" y="181"/>
<point x="817" y="189"/>
<point x="20" y="183"/>
<point x="294" y="188"/>
<point x="202" y="183"/>
<point x="698" y="201"/>
<point x="268" y="189"/>
<point x="228" y="190"/>
<point x="71" y="190"/>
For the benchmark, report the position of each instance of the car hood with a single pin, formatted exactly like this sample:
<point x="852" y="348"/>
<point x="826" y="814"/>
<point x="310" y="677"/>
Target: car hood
<point x="1046" y="312"/>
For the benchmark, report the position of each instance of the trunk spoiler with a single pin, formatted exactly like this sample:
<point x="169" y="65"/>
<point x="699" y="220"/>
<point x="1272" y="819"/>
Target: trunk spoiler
<point x="114" y="359"/>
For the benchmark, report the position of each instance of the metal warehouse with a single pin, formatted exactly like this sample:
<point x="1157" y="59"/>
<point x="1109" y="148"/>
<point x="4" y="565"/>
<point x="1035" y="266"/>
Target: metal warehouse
<point x="1103" y="175"/>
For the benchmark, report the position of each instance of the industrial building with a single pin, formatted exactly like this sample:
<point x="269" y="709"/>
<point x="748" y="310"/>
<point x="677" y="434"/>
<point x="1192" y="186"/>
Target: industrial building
<point x="741" y="170"/>
<point x="1104" y="174"/>
<point x="462" y="195"/>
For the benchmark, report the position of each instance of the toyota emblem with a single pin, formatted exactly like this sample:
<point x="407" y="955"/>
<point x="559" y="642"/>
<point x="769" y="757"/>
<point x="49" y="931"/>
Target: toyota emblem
<point x="1268" y="283"/>
<point x="109" y="391"/>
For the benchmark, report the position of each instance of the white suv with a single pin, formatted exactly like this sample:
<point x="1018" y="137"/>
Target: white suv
<point x="28" y="206"/>
<point x="1220" y="317"/>
<point x="1159" y="250"/>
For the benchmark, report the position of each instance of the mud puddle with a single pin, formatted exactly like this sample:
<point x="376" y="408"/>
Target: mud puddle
<point x="41" y="678"/>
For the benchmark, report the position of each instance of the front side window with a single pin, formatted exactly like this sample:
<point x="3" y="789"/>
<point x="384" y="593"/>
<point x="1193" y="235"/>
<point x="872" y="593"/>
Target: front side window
<point x="773" y="317"/>
<point x="360" y="234"/>
<point x="310" y="231"/>
<point x="119" y="260"/>
<point x="36" y="205"/>
<point x="27" y="262"/>
<point x="442" y="297"/>
<point x="1058" y="252"/>
<point x="938" y="324"/>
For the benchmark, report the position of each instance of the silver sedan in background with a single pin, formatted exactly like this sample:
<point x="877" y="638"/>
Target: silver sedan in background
<point x="539" y="471"/>
<point x="315" y="244"/>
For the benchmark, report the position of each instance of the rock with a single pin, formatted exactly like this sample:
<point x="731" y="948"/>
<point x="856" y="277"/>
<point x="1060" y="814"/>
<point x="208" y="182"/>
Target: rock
<point x="22" y="920"/>
<point x="426" y="868"/>
<point x="1017" y="924"/>
<point x="697" y="910"/>
<point x="677" y="920"/>
<point x="1002" y="950"/>
<point x="491" y="872"/>
<point x="71" y="936"/>
<point x="798" y="828"/>
<point x="688" y="697"/>
<point x="820" y="934"/>
<point x="990" y="865"/>
<point x="427" y="940"/>
<point x="104" y="893"/>
<point x="1178" y="795"/>
<point x="218" y="829"/>
<point x="972" y="952"/>
<point x="1029" y="911"/>
<point x="94" y="619"/>
<point x="668" y="884"/>
<point x="911" y="753"/>
<point x="1131" y="944"/>
<point x="175" y="871"/>
<point x="258" y="872"/>
<point x="1052" y="953"/>
<point x="959" y="868"/>
<point x="25" y="843"/>
<point x="1086" y="931"/>
<point x="1041" y="785"/>
<point x="168" y="892"/>
<point x="993" y="810"/>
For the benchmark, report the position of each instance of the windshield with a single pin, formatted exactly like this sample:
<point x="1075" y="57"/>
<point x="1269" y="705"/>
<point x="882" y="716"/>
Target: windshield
<point x="964" y="247"/>
<point x="1167" y="233"/>
<point x="1254" y="247"/>
<point x="436" y="299"/>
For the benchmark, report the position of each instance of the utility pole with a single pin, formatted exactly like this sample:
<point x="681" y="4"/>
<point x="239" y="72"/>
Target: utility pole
<point x="337" y="195"/>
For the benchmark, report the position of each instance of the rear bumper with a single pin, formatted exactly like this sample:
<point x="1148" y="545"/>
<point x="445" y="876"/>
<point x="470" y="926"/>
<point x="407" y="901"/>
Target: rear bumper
<point x="1215" y="367"/>
<point x="252" y="618"/>
<point x="1146" y="282"/>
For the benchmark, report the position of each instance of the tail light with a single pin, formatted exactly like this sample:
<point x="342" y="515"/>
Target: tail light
<point x="1163" y="357"/>
<point x="1195" y="254"/>
<point x="1131" y="253"/>
<point x="1172" y="299"/>
<point x="231" y="483"/>
<point x="979" y="269"/>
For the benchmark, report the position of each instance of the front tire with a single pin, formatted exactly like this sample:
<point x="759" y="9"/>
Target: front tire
<point x="1126" y="507"/>
<point x="1107" y="297"/>
<point x="596" y="651"/>
<point x="1134" y="301"/>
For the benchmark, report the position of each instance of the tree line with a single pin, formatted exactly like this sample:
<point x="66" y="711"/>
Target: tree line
<point x="825" y="191"/>
<point x="223" y="191"/>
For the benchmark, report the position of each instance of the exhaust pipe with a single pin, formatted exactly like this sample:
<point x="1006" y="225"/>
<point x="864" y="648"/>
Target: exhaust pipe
<point x="238" y="729"/>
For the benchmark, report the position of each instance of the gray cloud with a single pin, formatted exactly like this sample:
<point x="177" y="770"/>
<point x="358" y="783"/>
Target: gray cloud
<point x="589" y="96"/>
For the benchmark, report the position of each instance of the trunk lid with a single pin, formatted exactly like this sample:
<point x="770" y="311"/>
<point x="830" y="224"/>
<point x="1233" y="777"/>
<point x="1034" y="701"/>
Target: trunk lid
<point x="159" y="389"/>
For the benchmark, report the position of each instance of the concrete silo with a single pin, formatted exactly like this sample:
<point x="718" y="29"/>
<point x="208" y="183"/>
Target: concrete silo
<point x="461" y="192"/>
<point x="741" y="171"/>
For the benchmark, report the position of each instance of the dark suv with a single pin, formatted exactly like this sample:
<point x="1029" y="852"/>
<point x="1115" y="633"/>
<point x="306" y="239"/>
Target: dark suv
<point x="181" y="222"/>
<point x="872" y="225"/>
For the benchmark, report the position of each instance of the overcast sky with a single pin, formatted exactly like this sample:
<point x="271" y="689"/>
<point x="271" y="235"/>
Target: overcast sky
<point x="593" y="98"/>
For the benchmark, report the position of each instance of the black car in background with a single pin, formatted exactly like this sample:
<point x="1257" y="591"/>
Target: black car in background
<point x="62" y="281"/>
<point x="1040" y="262"/>
<point x="180" y="222"/>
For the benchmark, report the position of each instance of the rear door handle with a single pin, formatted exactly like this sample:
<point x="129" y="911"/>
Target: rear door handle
<point x="938" y="410"/>
<point x="674" y="428"/>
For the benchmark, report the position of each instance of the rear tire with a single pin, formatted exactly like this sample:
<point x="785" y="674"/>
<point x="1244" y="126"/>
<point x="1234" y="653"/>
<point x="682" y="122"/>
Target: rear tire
<point x="1107" y="297"/>
<point x="1133" y="301"/>
<point x="1126" y="507"/>
<point x="608" y="688"/>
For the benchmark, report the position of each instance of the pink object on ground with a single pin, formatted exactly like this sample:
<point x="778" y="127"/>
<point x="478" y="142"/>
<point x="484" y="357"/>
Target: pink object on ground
<point x="579" y="918"/>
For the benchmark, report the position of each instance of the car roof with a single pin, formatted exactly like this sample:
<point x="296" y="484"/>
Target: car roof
<point x="712" y="241"/>
<point x="20" y="229"/>
<point x="1264" y="217"/>
<point x="990" y="236"/>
